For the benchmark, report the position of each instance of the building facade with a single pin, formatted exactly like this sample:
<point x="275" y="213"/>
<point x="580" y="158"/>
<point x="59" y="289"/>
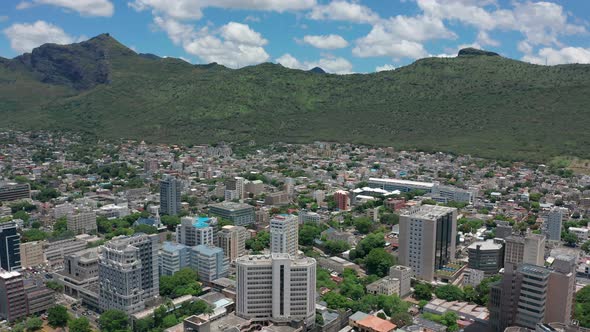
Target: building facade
<point x="487" y="256"/>
<point x="209" y="262"/>
<point x="284" y="234"/>
<point x="232" y="239"/>
<point x="14" y="191"/>
<point x="342" y="200"/>
<point x="82" y="222"/>
<point x="9" y="247"/>
<point x="239" y="213"/>
<point x="13" y="301"/>
<point x="170" y="196"/>
<point x="529" y="249"/>
<point x="194" y="231"/>
<point x="554" y="221"/>
<point x="404" y="275"/>
<point x="31" y="254"/>
<point x="173" y="257"/>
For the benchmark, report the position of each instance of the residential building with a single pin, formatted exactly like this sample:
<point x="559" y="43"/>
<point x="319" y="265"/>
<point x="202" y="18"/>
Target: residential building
<point x="236" y="185"/>
<point x="445" y="194"/>
<point x="254" y="187"/>
<point x="13" y="301"/>
<point x="401" y="185"/>
<point x="284" y="234"/>
<point x="342" y="200"/>
<point x="581" y="233"/>
<point x="404" y="275"/>
<point x="529" y="249"/>
<point x="194" y="231"/>
<point x="128" y="272"/>
<point x="277" y="198"/>
<point x="209" y="262"/>
<point x="276" y="287"/>
<point x="170" y="196"/>
<point x="173" y="257"/>
<point x="384" y="286"/>
<point x="472" y="277"/>
<point x="487" y="256"/>
<point x="14" y="191"/>
<point x="39" y="298"/>
<point x="232" y="239"/>
<point x="427" y="239"/>
<point x="308" y="216"/>
<point x="31" y="254"/>
<point x="82" y="222"/>
<point x="62" y="210"/>
<point x="239" y="213"/>
<point x="9" y="247"/>
<point x="554" y="221"/>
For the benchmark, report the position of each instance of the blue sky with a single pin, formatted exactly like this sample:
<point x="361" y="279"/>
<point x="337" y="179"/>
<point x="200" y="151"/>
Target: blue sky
<point x="341" y="36"/>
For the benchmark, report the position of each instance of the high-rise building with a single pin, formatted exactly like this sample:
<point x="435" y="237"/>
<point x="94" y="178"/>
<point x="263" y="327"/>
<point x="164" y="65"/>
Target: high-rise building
<point x="404" y="275"/>
<point x="529" y="294"/>
<point x="342" y="200"/>
<point x="209" y="262"/>
<point x="82" y="222"/>
<point x="234" y="188"/>
<point x="9" y="247"/>
<point x="284" y="235"/>
<point x="503" y="229"/>
<point x="232" y="239"/>
<point x="173" y="257"/>
<point x="427" y="236"/>
<point x="276" y="287"/>
<point x="239" y="213"/>
<point x="553" y="227"/>
<point x="31" y="254"/>
<point x="487" y="256"/>
<point x="170" y="196"/>
<point x="13" y="300"/>
<point x="194" y="231"/>
<point x="128" y="272"/>
<point x="14" y="191"/>
<point x="529" y="249"/>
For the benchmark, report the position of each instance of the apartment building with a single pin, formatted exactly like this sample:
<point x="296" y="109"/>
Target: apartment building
<point x="32" y="254"/>
<point x="284" y="234"/>
<point x="232" y="239"/>
<point x="194" y="231"/>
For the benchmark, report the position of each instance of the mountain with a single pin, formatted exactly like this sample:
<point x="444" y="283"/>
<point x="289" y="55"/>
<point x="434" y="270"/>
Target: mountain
<point x="478" y="103"/>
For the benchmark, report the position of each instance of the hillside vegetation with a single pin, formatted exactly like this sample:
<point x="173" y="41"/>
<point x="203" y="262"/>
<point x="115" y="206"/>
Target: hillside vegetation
<point x="478" y="103"/>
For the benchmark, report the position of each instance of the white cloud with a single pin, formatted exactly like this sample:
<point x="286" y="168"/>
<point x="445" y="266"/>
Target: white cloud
<point x="326" y="42"/>
<point x="24" y="37"/>
<point x="234" y="44"/>
<point x="552" y="56"/>
<point x="339" y="10"/>
<point x="335" y="65"/>
<point x="385" y="67"/>
<point x="192" y="9"/>
<point x="84" y="7"/>
<point x="484" y="38"/>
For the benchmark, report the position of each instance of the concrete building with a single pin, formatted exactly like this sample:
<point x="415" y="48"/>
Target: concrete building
<point x="342" y="200"/>
<point x="487" y="256"/>
<point x="581" y="233"/>
<point x="401" y="185"/>
<point x="55" y="251"/>
<point x="254" y="187"/>
<point x="338" y="264"/>
<point x="62" y="210"/>
<point x="284" y="234"/>
<point x="80" y="271"/>
<point x="276" y="287"/>
<point x="529" y="249"/>
<point x="128" y="272"/>
<point x="554" y="221"/>
<point x="39" y="298"/>
<point x="277" y="198"/>
<point x="13" y="301"/>
<point x="308" y="216"/>
<point x="503" y="229"/>
<point x="445" y="194"/>
<point x="170" y="196"/>
<point x="384" y="286"/>
<point x="82" y="222"/>
<point x="239" y="213"/>
<point x="173" y="257"/>
<point x="14" y="191"/>
<point x="9" y="247"/>
<point x="427" y="239"/>
<point x="529" y="294"/>
<point x="194" y="231"/>
<point x="31" y="254"/>
<point x="209" y="262"/>
<point x="472" y="277"/>
<point x="232" y="239"/>
<point x="404" y="275"/>
<point x="236" y="185"/>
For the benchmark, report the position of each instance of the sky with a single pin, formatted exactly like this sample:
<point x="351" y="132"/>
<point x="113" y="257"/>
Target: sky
<point x="340" y="36"/>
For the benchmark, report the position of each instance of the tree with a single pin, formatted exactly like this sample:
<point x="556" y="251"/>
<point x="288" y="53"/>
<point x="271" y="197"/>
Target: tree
<point x="54" y="285"/>
<point x="569" y="238"/>
<point x="390" y="218"/>
<point x="336" y="247"/>
<point x="449" y="293"/>
<point x="363" y="225"/>
<point x="22" y="215"/>
<point x="170" y="221"/>
<point x="378" y="262"/>
<point x="259" y="242"/>
<point x="113" y="320"/>
<point x="423" y="292"/>
<point x="183" y="282"/>
<point x="147" y="229"/>
<point x="469" y="294"/>
<point x="80" y="325"/>
<point x="33" y="324"/>
<point x="401" y="319"/>
<point x="57" y="316"/>
<point x="308" y="233"/>
<point x="370" y="242"/>
<point x="586" y="246"/>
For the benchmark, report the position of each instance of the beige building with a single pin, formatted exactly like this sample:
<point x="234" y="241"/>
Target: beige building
<point x="384" y="286"/>
<point x="529" y="249"/>
<point x="232" y="239"/>
<point x="82" y="222"/>
<point x="427" y="239"/>
<point x="404" y="275"/>
<point x="32" y="254"/>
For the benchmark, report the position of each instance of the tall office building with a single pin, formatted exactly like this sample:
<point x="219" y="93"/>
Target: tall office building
<point x="173" y="257"/>
<point x="529" y="294"/>
<point x="209" y="262"/>
<point x="342" y="200"/>
<point x="128" y="272"/>
<point x="276" y="287"/>
<point x="284" y="235"/>
<point x="427" y="236"/>
<point x="487" y="256"/>
<point x="9" y="247"/>
<point x="194" y="231"/>
<point x="232" y="239"/>
<point x="529" y="249"/>
<point x="13" y="300"/>
<point x="553" y="227"/>
<point x="170" y="196"/>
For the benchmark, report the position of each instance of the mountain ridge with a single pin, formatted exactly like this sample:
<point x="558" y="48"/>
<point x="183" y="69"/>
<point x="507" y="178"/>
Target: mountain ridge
<point x="478" y="103"/>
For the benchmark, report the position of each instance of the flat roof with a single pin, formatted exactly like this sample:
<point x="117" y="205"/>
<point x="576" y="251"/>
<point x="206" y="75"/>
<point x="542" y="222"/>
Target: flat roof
<point x="485" y="245"/>
<point x="428" y="211"/>
<point x="403" y="182"/>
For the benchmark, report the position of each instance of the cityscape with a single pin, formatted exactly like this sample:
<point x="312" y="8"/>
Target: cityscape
<point x="134" y="236"/>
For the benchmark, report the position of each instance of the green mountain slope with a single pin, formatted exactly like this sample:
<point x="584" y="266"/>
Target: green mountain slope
<point x="478" y="102"/>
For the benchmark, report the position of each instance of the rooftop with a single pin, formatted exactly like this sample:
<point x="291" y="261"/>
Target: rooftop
<point x="377" y="324"/>
<point x="485" y="245"/>
<point x="429" y="211"/>
<point x="201" y="222"/>
<point x="403" y="182"/>
<point x="232" y="206"/>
